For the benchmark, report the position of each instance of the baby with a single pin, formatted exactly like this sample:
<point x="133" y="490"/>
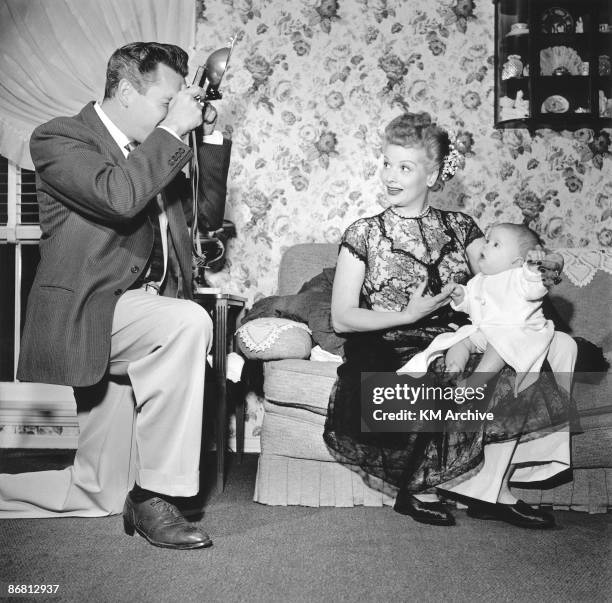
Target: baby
<point x="504" y="302"/>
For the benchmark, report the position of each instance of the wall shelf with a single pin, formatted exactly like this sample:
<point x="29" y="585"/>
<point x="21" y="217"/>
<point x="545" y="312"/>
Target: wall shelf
<point x="559" y="80"/>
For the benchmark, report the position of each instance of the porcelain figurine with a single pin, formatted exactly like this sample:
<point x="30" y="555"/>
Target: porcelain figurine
<point x="513" y="67"/>
<point x="521" y="105"/>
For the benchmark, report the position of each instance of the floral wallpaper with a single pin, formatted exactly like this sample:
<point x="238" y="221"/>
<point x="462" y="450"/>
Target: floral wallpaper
<point x="311" y="85"/>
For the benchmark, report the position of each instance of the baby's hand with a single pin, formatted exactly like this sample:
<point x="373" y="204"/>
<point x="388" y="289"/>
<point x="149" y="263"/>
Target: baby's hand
<point x="548" y="263"/>
<point x="456" y="293"/>
<point x="534" y="258"/>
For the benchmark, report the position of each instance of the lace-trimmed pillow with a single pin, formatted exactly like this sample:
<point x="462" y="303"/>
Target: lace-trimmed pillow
<point x="274" y="339"/>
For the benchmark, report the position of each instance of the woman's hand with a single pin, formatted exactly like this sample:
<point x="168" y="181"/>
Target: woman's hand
<point x="421" y="305"/>
<point x="348" y="317"/>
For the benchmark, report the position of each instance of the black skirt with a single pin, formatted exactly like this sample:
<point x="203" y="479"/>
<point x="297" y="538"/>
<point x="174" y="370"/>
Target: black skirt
<point x="421" y="459"/>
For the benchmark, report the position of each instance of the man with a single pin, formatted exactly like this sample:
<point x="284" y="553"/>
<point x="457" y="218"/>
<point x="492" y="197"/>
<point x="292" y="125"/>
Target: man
<point x="105" y="305"/>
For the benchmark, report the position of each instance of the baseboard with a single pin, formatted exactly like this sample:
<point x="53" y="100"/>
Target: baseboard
<point x="35" y="415"/>
<point x="37" y="440"/>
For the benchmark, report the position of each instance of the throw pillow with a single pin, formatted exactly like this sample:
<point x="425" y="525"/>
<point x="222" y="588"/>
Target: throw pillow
<point x="274" y="339"/>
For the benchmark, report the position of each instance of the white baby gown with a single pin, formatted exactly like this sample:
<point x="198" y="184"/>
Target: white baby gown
<point x="507" y="309"/>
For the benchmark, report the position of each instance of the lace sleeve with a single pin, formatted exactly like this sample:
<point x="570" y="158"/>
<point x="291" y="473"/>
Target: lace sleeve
<point x="467" y="229"/>
<point x="355" y="239"/>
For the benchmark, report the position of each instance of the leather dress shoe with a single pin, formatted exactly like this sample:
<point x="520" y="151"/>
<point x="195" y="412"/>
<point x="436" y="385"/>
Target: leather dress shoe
<point x="433" y="513"/>
<point x="519" y="514"/>
<point x="162" y="524"/>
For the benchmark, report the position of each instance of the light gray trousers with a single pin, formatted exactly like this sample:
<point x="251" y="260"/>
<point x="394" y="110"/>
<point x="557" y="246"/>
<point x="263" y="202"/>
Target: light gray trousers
<point x="146" y="428"/>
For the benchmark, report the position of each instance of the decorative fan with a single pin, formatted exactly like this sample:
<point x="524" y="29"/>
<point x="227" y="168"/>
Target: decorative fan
<point x="560" y="60"/>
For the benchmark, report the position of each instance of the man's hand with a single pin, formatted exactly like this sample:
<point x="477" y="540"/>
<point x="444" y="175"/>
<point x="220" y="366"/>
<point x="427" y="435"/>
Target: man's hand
<point x="184" y="111"/>
<point x="209" y="119"/>
<point x="548" y="263"/>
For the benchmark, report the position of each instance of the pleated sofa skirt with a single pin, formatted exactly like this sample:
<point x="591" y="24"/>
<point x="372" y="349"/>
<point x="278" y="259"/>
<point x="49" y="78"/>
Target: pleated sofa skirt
<point x="295" y="466"/>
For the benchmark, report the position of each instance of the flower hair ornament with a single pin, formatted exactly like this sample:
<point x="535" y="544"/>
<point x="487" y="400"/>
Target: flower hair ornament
<point x="452" y="161"/>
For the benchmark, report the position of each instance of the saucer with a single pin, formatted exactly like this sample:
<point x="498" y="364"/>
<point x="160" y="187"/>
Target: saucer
<point x="555" y="104"/>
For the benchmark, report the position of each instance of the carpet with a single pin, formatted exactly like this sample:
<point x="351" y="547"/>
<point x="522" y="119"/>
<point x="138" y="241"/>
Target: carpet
<point x="295" y="554"/>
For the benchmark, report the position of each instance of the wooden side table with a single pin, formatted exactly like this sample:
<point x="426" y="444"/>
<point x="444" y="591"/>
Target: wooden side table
<point x="224" y="308"/>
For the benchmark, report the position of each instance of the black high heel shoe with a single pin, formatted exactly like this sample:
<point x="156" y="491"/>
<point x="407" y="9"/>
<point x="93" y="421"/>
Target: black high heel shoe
<point x="433" y="513"/>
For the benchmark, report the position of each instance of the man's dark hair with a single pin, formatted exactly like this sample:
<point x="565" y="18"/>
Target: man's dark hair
<point x="137" y="63"/>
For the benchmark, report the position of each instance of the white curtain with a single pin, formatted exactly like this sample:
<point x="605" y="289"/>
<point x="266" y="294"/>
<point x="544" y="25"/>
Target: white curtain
<point x="53" y="55"/>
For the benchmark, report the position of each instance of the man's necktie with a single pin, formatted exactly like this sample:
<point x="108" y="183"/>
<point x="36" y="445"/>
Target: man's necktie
<point x="155" y="270"/>
<point x="156" y="261"/>
<point x="130" y="146"/>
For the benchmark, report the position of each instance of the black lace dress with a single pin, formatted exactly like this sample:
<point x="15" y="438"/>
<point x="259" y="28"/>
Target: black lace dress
<point x="399" y="253"/>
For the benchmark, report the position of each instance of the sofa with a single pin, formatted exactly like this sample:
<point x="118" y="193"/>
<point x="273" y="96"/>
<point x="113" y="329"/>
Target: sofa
<point x="296" y="468"/>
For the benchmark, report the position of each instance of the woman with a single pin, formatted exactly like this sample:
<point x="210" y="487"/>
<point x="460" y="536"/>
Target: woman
<point x="393" y="280"/>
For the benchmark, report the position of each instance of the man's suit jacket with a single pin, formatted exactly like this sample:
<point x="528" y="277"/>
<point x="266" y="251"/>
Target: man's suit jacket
<point x="97" y="236"/>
